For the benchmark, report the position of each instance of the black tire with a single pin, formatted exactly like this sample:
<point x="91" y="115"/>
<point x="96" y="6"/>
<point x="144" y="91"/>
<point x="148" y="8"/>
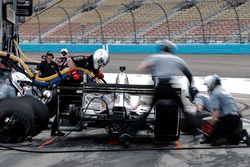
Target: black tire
<point x="40" y="114"/>
<point x="22" y="120"/>
<point x="29" y="117"/>
<point x="167" y="123"/>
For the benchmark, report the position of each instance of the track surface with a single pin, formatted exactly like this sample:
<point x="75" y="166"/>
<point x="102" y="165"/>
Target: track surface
<point x="236" y="66"/>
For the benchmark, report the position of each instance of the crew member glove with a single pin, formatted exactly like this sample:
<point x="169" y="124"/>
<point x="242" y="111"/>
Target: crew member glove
<point x="100" y="75"/>
<point x="73" y="72"/>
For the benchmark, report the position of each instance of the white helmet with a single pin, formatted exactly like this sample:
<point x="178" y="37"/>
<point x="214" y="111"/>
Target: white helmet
<point x="100" y="58"/>
<point x="65" y="50"/>
<point x="20" y="81"/>
<point x="212" y="81"/>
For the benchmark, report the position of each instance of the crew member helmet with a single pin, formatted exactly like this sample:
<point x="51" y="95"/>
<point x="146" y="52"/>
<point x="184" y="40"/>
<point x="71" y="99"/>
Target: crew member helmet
<point x="43" y="57"/>
<point x="100" y="58"/>
<point x="64" y="50"/>
<point x="19" y="81"/>
<point x="3" y="61"/>
<point x="166" y="45"/>
<point x="191" y="93"/>
<point x="212" y="81"/>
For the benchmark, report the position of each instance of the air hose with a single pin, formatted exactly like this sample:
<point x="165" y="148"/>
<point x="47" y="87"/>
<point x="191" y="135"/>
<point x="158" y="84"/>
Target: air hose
<point x="45" y="79"/>
<point x="22" y="54"/>
<point x="7" y="148"/>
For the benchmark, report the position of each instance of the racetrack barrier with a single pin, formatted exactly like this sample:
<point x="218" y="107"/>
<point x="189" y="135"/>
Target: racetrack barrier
<point x="189" y="48"/>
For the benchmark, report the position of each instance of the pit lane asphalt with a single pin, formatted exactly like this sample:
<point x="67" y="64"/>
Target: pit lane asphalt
<point x="237" y="66"/>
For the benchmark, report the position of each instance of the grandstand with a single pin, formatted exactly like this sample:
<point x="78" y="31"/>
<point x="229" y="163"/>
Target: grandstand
<point x="186" y="19"/>
<point x="49" y="19"/>
<point x="140" y="21"/>
<point x="223" y="27"/>
<point x="87" y="20"/>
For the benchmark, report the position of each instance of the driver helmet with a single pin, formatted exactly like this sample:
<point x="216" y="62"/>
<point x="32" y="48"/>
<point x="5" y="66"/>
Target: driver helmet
<point x="100" y="58"/>
<point x="20" y="81"/>
<point x="212" y="81"/>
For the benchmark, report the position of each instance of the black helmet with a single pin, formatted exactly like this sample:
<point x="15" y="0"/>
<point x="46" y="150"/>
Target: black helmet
<point x="191" y="93"/>
<point x="43" y="57"/>
<point x="4" y="61"/>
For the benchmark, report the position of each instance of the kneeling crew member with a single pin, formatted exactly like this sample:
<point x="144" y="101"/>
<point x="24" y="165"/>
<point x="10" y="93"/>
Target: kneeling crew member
<point x="225" y="116"/>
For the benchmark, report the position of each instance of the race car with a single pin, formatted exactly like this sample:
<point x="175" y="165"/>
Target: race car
<point x="91" y="103"/>
<point x="111" y="106"/>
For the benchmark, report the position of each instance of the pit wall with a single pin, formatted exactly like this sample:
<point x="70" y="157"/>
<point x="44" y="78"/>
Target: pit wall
<point x="226" y="48"/>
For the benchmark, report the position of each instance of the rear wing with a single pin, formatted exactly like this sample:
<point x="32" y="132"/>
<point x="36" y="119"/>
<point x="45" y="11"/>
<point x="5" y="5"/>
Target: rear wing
<point x="118" y="88"/>
<point x="121" y="88"/>
<point x="109" y="88"/>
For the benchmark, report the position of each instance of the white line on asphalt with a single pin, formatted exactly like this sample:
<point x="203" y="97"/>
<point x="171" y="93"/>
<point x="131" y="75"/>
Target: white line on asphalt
<point x="242" y="98"/>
